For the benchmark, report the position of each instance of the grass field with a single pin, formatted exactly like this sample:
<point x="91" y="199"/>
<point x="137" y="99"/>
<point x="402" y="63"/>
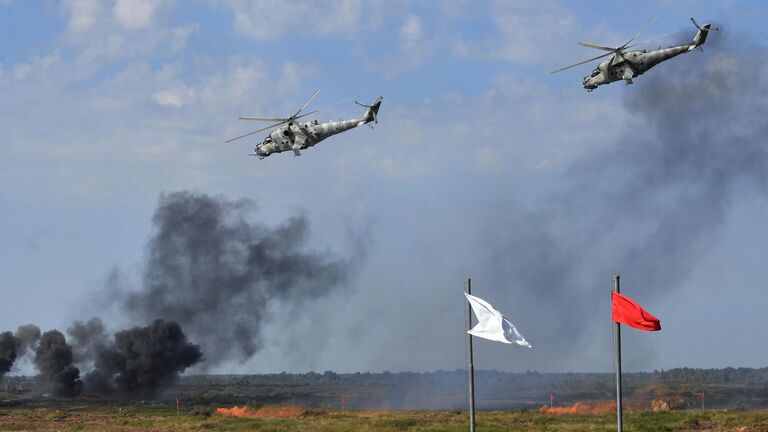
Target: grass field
<point x="154" y="418"/>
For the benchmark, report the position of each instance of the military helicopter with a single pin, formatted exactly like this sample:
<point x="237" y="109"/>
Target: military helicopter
<point x="625" y="65"/>
<point x="293" y="135"/>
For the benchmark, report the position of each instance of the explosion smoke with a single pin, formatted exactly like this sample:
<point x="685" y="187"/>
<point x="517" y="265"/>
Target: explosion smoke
<point x="216" y="273"/>
<point x="138" y="362"/>
<point x="9" y="350"/>
<point x="13" y="347"/>
<point x="207" y="269"/>
<point x="53" y="359"/>
<point x="86" y="337"/>
<point x="142" y="360"/>
<point x="29" y="335"/>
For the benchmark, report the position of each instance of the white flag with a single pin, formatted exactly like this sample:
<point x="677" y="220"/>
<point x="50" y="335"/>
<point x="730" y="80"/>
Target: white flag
<point x="492" y="325"/>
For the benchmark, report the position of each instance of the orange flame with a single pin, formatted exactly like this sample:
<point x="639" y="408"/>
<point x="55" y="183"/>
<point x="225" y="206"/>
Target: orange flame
<point x="599" y="407"/>
<point x="263" y="412"/>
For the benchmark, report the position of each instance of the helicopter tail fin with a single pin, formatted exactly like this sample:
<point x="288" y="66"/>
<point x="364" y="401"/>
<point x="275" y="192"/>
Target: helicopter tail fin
<point x="372" y="112"/>
<point x="701" y="35"/>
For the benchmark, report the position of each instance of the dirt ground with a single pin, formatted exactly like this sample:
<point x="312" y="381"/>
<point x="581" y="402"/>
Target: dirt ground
<point x="290" y="418"/>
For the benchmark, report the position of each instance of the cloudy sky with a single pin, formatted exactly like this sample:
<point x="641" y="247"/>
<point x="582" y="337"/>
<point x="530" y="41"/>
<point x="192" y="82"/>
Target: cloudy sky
<point x="483" y="165"/>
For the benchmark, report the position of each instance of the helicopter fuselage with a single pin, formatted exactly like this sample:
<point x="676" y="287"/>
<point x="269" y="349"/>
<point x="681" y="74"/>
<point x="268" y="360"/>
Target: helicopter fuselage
<point x="630" y="64"/>
<point x="293" y="135"/>
<point x="298" y="136"/>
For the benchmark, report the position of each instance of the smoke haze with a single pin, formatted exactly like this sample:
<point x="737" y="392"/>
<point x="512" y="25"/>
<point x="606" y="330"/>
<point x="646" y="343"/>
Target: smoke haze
<point x="216" y="273"/>
<point x="646" y="207"/>
<point x="86" y="337"/>
<point x="208" y="270"/>
<point x="53" y="359"/>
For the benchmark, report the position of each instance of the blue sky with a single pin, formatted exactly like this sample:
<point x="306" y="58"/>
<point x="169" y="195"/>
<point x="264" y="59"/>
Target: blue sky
<point x="106" y="105"/>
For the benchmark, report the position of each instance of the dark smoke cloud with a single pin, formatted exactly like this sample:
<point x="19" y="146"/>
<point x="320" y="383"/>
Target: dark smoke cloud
<point x="29" y="335"/>
<point x="141" y="361"/>
<point x="209" y="270"/>
<point x="649" y="206"/>
<point x="216" y="273"/>
<point x="138" y="362"/>
<point x="53" y="359"/>
<point x="85" y="337"/>
<point x="9" y="350"/>
<point x="13" y="347"/>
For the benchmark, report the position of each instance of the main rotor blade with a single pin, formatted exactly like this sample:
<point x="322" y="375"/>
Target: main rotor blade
<point x="324" y="108"/>
<point x="638" y="33"/>
<point x="256" y="131"/>
<point x="600" y="47"/>
<point x="652" y="39"/>
<point x="269" y="119"/>
<point x="306" y="103"/>
<point x="581" y="63"/>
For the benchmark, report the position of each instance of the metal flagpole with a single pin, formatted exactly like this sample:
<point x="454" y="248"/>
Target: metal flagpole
<point x="616" y="287"/>
<point x="470" y="365"/>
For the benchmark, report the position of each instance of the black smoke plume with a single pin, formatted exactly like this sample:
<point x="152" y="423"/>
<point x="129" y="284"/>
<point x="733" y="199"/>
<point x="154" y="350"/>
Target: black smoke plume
<point x="15" y="346"/>
<point x="141" y="361"/>
<point x="53" y="359"/>
<point x="9" y="350"/>
<point x="217" y="273"/>
<point x="138" y="362"/>
<point x="209" y="270"/>
<point x="29" y="335"/>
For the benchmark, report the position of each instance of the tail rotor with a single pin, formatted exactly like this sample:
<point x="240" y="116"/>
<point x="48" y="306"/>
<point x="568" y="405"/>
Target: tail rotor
<point x="701" y="35"/>
<point x="372" y="112"/>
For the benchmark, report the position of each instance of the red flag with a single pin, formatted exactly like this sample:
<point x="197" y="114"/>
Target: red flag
<point x="626" y="311"/>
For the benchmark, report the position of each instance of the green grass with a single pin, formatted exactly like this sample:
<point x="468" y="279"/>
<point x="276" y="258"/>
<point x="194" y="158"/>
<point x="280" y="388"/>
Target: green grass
<point x="154" y="418"/>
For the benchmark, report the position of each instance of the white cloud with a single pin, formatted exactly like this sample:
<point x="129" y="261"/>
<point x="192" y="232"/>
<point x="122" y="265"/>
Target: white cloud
<point x="172" y="97"/>
<point x="105" y="32"/>
<point x="136" y="14"/>
<point x="530" y="31"/>
<point x="413" y="47"/>
<point x="411" y="29"/>
<point x="39" y="65"/>
<point x="272" y="19"/>
<point x="82" y="14"/>
<point x="525" y="31"/>
<point x="292" y="76"/>
<point x="238" y="83"/>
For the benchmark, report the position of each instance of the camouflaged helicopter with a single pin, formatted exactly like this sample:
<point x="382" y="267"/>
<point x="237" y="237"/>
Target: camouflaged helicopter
<point x="296" y="136"/>
<point x="626" y="65"/>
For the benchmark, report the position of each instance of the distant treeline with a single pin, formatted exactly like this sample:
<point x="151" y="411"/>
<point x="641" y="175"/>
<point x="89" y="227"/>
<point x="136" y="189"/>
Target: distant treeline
<point x="722" y="388"/>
